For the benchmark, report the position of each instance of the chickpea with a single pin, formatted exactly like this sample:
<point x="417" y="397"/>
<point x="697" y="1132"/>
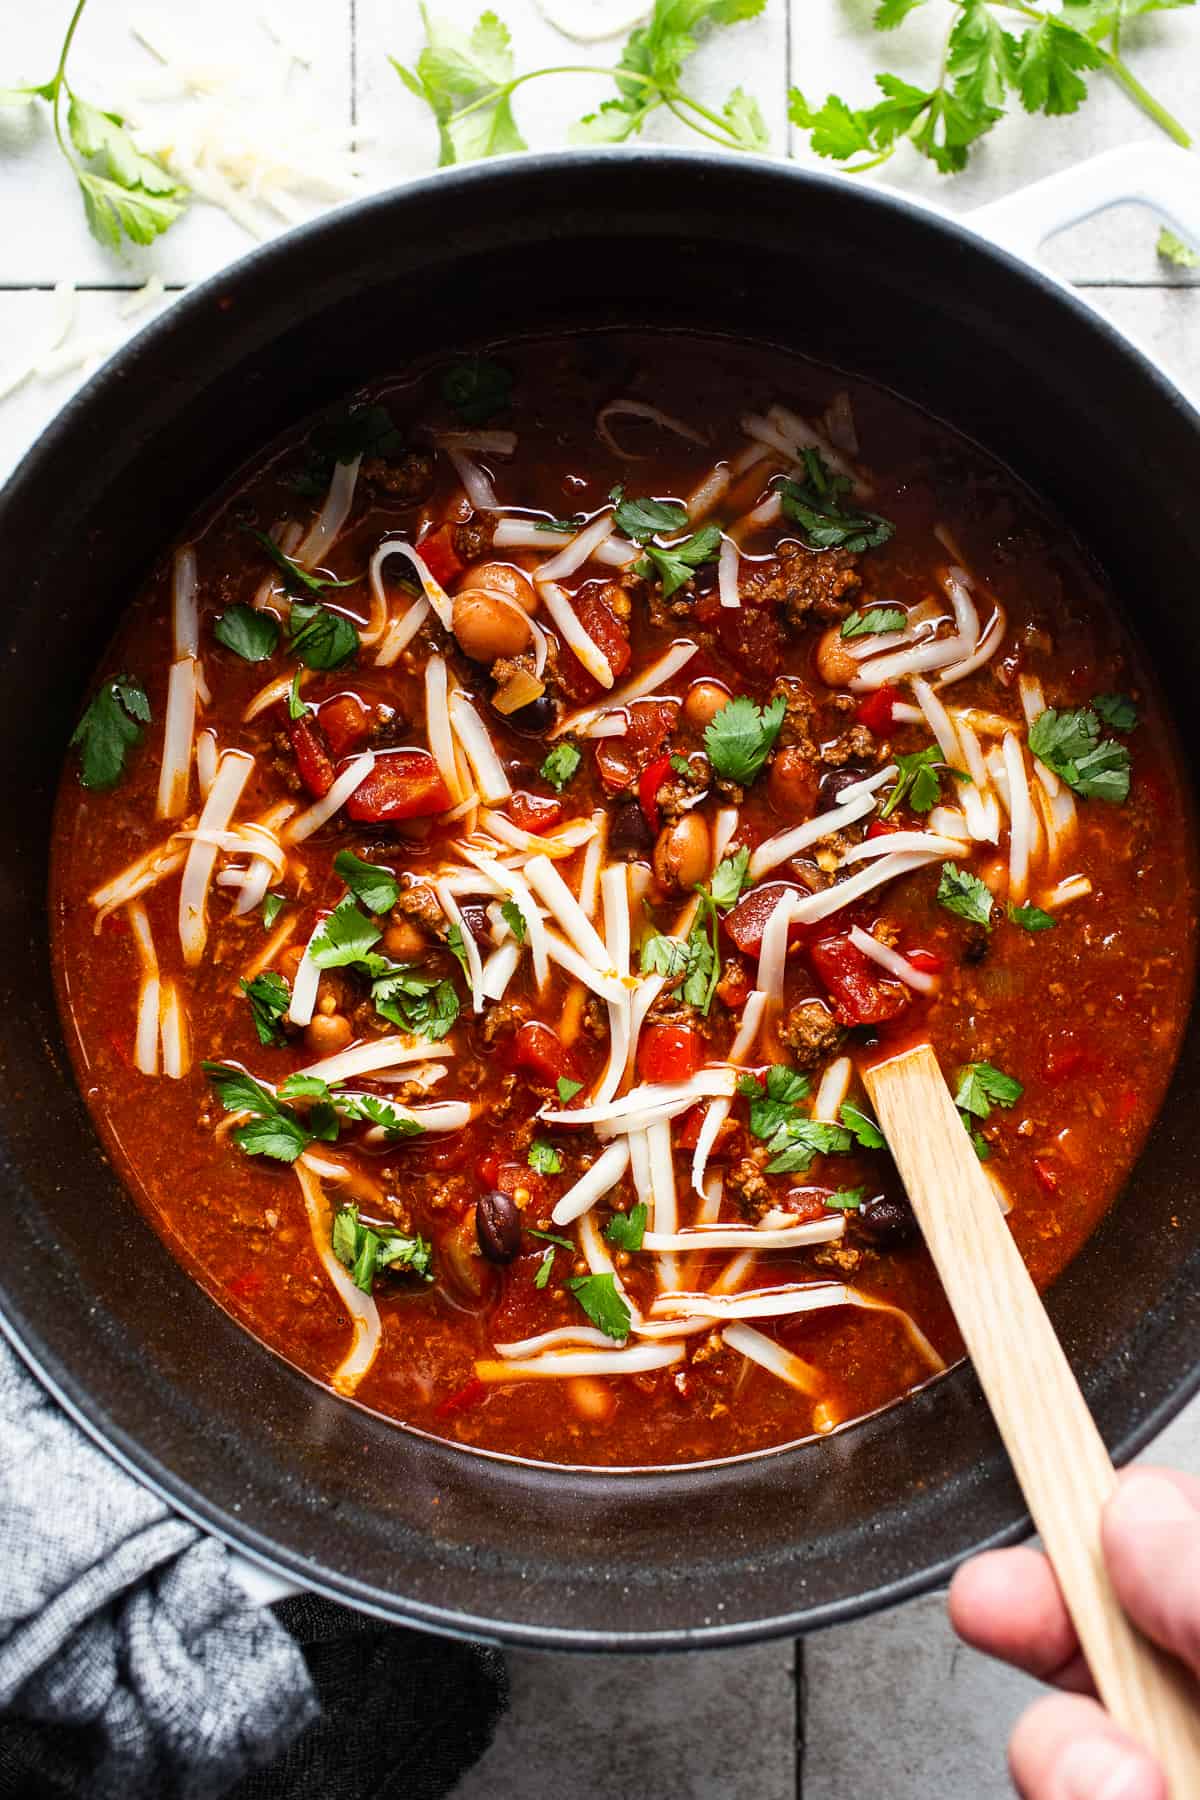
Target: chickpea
<point x="703" y="701"/>
<point x="404" y="939"/>
<point x="486" y="628"/>
<point x="501" y="578"/>
<point x="328" y="1033"/>
<point x="792" y="784"/>
<point x="681" y="855"/>
<point x="835" y="665"/>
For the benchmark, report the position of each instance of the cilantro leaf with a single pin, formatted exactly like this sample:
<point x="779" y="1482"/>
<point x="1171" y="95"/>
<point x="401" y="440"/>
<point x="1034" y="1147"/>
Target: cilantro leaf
<point x="664" y="956"/>
<point x="296" y="580"/>
<point x="603" y="1304"/>
<point x="1117" y="711"/>
<point x="342" y="438"/>
<point x="704" y="957"/>
<point x="1173" y="249"/>
<point x="862" y="1129"/>
<point x="816" y="506"/>
<point x="551" y="1237"/>
<point x="730" y="876"/>
<point x="269" y="998"/>
<point x="561" y="766"/>
<point x="545" y="1267"/>
<point x="364" y="1249"/>
<point x="917" y="782"/>
<point x="641" y="519"/>
<point x="567" y="1089"/>
<point x="478" y="389"/>
<point x="979" y="1143"/>
<point x="965" y="895"/>
<point x="571" y="524"/>
<point x="676" y="563"/>
<point x="109" y="729"/>
<point x="796" y="1144"/>
<point x="651" y="67"/>
<point x="890" y="13"/>
<point x="297" y="708"/>
<point x="792" y="1139"/>
<point x="321" y="639"/>
<point x="773" y="1102"/>
<point x="415" y="1001"/>
<point x="126" y="192"/>
<point x="1031" y="918"/>
<point x="372" y="1110"/>
<point x="251" y="634"/>
<point x="626" y="1230"/>
<point x="1047" y="64"/>
<point x="458" y="949"/>
<point x="739" y="738"/>
<point x="1070" y="743"/>
<point x="875" y="619"/>
<point x="981" y="1086"/>
<point x="376" y="888"/>
<point x="470" y="74"/>
<point x="272" y="906"/>
<point x="345" y="938"/>
<point x="514" y="918"/>
<point x="273" y="1130"/>
<point x="544" y="1159"/>
<point x="846" y="1199"/>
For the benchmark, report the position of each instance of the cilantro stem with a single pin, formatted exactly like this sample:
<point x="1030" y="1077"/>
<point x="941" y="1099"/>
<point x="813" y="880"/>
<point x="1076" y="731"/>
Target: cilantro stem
<point x="58" y="85"/>
<point x="1124" y="76"/>
<point x="672" y="101"/>
<point x="667" y="96"/>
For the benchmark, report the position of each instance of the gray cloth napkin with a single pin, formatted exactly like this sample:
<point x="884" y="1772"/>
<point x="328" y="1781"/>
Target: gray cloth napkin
<point x="133" y="1667"/>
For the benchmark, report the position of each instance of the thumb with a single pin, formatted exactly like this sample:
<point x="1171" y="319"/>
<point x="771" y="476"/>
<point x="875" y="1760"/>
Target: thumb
<point x="1151" y="1538"/>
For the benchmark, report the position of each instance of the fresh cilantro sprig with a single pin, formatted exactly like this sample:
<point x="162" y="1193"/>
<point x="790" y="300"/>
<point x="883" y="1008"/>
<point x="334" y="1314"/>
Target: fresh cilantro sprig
<point x="365" y="1249"/>
<point x="983" y="64"/>
<point x="603" y="1303"/>
<point x="981" y="1086"/>
<point x="676" y="563"/>
<point x="965" y="895"/>
<point x="1095" y="767"/>
<point x="625" y="1231"/>
<point x="249" y="632"/>
<point x="792" y="1138"/>
<point x="1171" y="247"/>
<point x="918" y="782"/>
<point x="269" y="998"/>
<point x="1030" y="918"/>
<point x="467" y="82"/>
<point x="739" y="738"/>
<point x="561" y="766"/>
<point x="273" y="1129"/>
<point x="730" y="876"/>
<point x="477" y="389"/>
<point x="643" y="518"/>
<point x="817" y="506"/>
<point x="544" y="1159"/>
<point x="875" y="619"/>
<point x="376" y="888"/>
<point x="343" y="437"/>
<point x="862" y="1128"/>
<point x="109" y="729"/>
<point x="296" y="580"/>
<point x="126" y="193"/>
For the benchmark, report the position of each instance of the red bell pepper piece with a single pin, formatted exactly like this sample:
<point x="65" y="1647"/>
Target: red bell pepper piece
<point x="1065" y="1057"/>
<point x="926" y="962"/>
<point x="440" y="557"/>
<point x="533" y="812"/>
<point x="404" y="784"/>
<point x="747" y="922"/>
<point x="669" y="1053"/>
<point x="1046" y="1175"/>
<point x="875" y="710"/>
<point x="651" y="779"/>
<point x="313" y="761"/>
<point x="883" y="827"/>
<point x="543" y="1053"/>
<point x="860" y="995"/>
<point x="345" y="722"/>
<point x="469" y="1394"/>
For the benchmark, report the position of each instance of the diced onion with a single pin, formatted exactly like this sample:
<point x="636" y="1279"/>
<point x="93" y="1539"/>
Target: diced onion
<point x="232" y="776"/>
<point x="351" y="777"/>
<point x="174" y="778"/>
<point x="727" y="573"/>
<point x="600" y="1179"/>
<point x="185" y="613"/>
<point x="319" y="539"/>
<point x="364" y="1314"/>
<point x="562" y="610"/>
<point x="892" y="961"/>
<point x="786" y="844"/>
<point x="770" y="1355"/>
<point x="493" y="784"/>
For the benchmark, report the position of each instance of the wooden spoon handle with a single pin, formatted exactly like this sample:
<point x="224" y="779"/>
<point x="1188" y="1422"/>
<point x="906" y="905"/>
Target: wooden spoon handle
<point x="1058" y="1454"/>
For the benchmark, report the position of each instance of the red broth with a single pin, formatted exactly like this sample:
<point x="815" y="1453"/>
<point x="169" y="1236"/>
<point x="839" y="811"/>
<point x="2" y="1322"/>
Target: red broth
<point x="833" y="557"/>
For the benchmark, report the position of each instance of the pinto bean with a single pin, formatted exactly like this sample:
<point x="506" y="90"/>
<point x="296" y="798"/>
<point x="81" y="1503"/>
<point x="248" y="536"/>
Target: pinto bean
<point x="404" y="939"/>
<point x="793" y="783"/>
<point x="486" y="628"/>
<point x="703" y="701"/>
<point x="835" y="665"/>
<point x="681" y="855"/>
<point x="501" y="578"/>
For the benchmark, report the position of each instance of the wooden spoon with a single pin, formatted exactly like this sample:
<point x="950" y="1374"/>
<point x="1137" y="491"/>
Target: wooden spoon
<point x="1059" y="1457"/>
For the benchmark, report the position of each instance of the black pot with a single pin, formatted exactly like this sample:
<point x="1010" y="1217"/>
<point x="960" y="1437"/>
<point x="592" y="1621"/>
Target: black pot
<point x="378" y="1516"/>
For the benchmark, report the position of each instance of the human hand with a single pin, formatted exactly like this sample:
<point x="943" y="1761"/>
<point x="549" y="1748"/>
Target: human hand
<point x="1007" y="1603"/>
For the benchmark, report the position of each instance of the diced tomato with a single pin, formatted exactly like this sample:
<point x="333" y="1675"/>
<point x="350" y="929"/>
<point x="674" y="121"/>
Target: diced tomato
<point x="313" y="761"/>
<point x="440" y="557"/>
<point x="533" y="812"/>
<point x="243" y="1286"/>
<point x="688" y="1135"/>
<point x="875" y="710"/>
<point x="747" y="922"/>
<point x="543" y="1053"/>
<point x="514" y="1178"/>
<point x="404" y="784"/>
<point x="669" y="1053"/>
<point x="883" y="827"/>
<point x="1046" y="1175"/>
<point x="618" y="759"/>
<point x="469" y="1394"/>
<point x="1066" y="1057"/>
<point x="860" y="994"/>
<point x="610" y="638"/>
<point x="652" y="778"/>
<point x="734" y="986"/>
<point x="808" y="1203"/>
<point x="487" y="1169"/>
<point x="926" y="962"/>
<point x="753" y="638"/>
<point x="1126" y="1105"/>
<point x="345" y="722"/>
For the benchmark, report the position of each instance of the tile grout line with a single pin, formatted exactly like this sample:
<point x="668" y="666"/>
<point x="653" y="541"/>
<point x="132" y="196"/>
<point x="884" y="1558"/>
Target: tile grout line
<point x="354" y="71"/>
<point x="798" y="1714"/>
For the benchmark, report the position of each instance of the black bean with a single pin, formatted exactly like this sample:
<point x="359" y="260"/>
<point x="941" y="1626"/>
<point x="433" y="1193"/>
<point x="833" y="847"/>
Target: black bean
<point x="834" y="781"/>
<point x="497" y="1226"/>
<point x="886" y="1222"/>
<point x="628" y="833"/>
<point x="535" y="719"/>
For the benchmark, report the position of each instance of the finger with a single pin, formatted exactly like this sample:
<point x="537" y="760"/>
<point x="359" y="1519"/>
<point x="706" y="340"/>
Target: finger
<point x="1067" y="1748"/>
<point x="1007" y="1604"/>
<point x="1151" y="1537"/>
<point x="1188" y="1485"/>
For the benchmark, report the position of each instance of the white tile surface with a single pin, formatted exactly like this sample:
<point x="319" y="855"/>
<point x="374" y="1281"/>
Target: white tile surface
<point x="892" y="1707"/>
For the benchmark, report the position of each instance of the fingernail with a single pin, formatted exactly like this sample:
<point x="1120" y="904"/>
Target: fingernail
<point x="1149" y="1500"/>
<point x="1099" y="1769"/>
